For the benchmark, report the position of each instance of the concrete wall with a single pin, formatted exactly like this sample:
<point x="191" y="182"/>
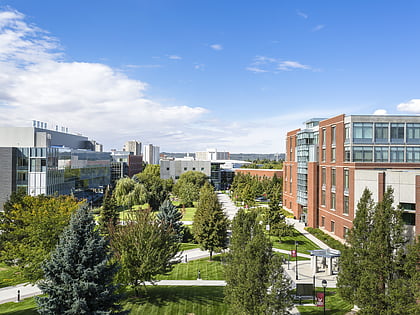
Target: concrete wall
<point x="174" y="169"/>
<point x="7" y="174"/>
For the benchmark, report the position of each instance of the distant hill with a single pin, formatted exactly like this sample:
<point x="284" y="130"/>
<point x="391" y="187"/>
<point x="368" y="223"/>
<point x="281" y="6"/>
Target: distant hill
<point x="237" y="156"/>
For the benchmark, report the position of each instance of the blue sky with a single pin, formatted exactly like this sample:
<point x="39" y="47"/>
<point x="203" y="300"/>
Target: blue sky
<point x="190" y="75"/>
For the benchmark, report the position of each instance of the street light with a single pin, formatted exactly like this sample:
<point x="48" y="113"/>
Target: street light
<point x="296" y="243"/>
<point x="324" y="285"/>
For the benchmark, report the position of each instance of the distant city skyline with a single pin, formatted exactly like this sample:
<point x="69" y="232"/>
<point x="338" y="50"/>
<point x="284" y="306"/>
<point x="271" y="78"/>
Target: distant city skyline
<point x="190" y="75"/>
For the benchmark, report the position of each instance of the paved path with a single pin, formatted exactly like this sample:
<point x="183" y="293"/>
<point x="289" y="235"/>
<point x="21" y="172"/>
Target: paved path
<point x="227" y="205"/>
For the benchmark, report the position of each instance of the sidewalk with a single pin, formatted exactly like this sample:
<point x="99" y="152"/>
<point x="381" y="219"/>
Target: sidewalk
<point x="301" y="228"/>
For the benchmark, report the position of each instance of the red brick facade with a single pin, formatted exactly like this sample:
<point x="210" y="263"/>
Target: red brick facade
<point x="331" y="180"/>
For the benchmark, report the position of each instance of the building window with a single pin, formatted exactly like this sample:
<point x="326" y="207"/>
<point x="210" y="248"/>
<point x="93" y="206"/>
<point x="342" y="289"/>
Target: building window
<point x="202" y="168"/>
<point x="322" y="221"/>
<point x="381" y="132"/>
<point x="324" y="153"/>
<point x="333" y="135"/>
<point x="333" y="177"/>
<point x="345" y="231"/>
<point x="323" y="176"/>
<point x="332" y="226"/>
<point x="324" y="137"/>
<point x="185" y="168"/>
<point x="346" y="180"/>
<point x="397" y="154"/>
<point x="332" y="154"/>
<point x="362" y="154"/>
<point x="167" y="168"/>
<point x="413" y="133"/>
<point x="347" y="154"/>
<point x="193" y="168"/>
<point x="381" y="154"/>
<point x="346" y="205"/>
<point x="413" y="154"/>
<point x="397" y="133"/>
<point x="347" y="133"/>
<point x="323" y="197"/>
<point x="333" y="200"/>
<point x="362" y="132"/>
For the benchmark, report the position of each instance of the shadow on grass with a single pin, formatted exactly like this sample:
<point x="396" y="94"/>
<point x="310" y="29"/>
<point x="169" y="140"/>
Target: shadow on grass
<point x="165" y="295"/>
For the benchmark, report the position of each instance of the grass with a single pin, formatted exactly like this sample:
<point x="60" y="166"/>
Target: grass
<point x="25" y="307"/>
<point x="187" y="246"/>
<point x="334" y="304"/>
<point x="178" y="300"/>
<point x="209" y="270"/>
<point x="288" y="243"/>
<point x="327" y="239"/>
<point x="155" y="301"/>
<point x="8" y="276"/>
<point x="125" y="214"/>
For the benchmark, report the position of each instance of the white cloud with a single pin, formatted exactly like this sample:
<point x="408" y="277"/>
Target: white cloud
<point x="216" y="47"/>
<point x="302" y="14"/>
<point x="174" y="57"/>
<point x="412" y="106"/>
<point x="380" y="112"/>
<point x="318" y="28"/>
<point x="256" y="70"/>
<point x="263" y="64"/>
<point x="91" y="98"/>
<point x="199" y="66"/>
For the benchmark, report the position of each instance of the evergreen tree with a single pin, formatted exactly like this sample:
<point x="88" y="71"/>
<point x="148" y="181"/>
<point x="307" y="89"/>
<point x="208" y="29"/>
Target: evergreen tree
<point x="210" y="223"/>
<point x="371" y="266"/>
<point x="255" y="281"/>
<point x="170" y="217"/>
<point x="108" y="213"/>
<point x="78" y="276"/>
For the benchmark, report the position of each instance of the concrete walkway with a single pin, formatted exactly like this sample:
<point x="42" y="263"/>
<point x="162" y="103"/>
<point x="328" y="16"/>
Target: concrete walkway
<point x="227" y="205"/>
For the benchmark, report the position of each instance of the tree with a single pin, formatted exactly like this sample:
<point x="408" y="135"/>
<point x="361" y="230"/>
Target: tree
<point x="144" y="249"/>
<point x="371" y="267"/>
<point x="210" y="223"/>
<point x="108" y="213"/>
<point x="188" y="186"/>
<point x="157" y="189"/>
<point x="255" y="281"/>
<point x="31" y="227"/>
<point x="170" y="217"/>
<point x="128" y="193"/>
<point x="79" y="275"/>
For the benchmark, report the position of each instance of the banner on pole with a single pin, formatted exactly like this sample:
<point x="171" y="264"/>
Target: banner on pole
<point x="293" y="253"/>
<point x="320" y="299"/>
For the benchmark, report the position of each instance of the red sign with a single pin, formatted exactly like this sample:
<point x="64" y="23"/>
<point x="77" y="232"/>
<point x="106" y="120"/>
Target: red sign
<point x="320" y="299"/>
<point x="293" y="253"/>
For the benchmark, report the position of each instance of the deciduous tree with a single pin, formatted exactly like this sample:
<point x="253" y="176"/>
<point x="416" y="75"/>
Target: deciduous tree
<point x="31" y="227"/>
<point x="128" y="193"/>
<point x="144" y="249"/>
<point x="79" y="275"/>
<point x="188" y="186"/>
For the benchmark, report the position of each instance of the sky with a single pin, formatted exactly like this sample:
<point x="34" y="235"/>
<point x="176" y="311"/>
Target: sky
<point x="188" y="75"/>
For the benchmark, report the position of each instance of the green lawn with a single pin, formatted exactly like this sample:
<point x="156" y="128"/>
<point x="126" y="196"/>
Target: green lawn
<point x="157" y="300"/>
<point x="124" y="215"/>
<point x="288" y="243"/>
<point x="209" y="270"/>
<point x="187" y="246"/>
<point x="8" y="276"/>
<point x="334" y="304"/>
<point x="25" y="307"/>
<point x="178" y="300"/>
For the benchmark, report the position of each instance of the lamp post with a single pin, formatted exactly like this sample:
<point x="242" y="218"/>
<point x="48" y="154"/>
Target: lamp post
<point x="296" y="243"/>
<point x="324" y="285"/>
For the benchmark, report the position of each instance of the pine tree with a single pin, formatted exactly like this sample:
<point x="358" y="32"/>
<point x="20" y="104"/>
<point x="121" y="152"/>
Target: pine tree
<point x="79" y="275"/>
<point x="371" y="265"/>
<point x="210" y="223"/>
<point x="170" y="217"/>
<point x="255" y="281"/>
<point x="108" y="213"/>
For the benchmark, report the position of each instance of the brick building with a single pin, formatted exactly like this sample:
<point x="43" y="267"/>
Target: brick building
<point x="331" y="161"/>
